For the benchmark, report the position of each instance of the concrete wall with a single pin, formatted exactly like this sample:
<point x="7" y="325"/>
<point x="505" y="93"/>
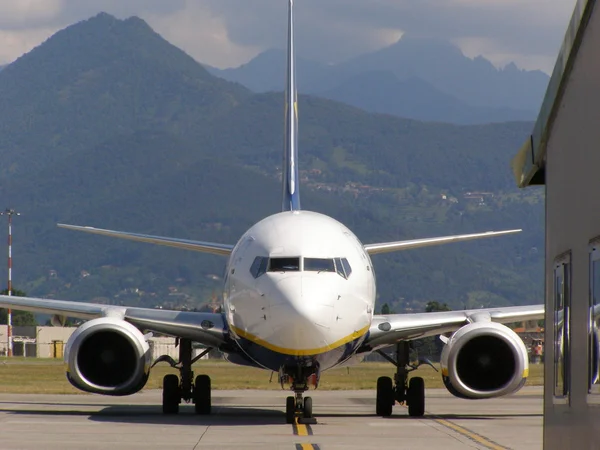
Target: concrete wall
<point x="572" y="220"/>
<point x="45" y="337"/>
<point x="163" y="346"/>
<point x="3" y="340"/>
<point x="50" y="341"/>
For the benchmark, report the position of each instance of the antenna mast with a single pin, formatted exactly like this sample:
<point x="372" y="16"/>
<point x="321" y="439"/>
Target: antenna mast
<point x="9" y="212"/>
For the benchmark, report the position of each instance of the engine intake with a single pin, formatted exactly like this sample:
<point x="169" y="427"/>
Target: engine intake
<point x="108" y="356"/>
<point x="483" y="360"/>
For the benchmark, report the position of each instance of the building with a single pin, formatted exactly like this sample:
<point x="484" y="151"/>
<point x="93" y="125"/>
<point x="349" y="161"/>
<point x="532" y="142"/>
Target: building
<point x="49" y="342"/>
<point x="563" y="154"/>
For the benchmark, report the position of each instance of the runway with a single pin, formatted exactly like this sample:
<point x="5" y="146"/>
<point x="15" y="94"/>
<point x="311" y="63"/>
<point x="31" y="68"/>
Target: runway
<point x="255" y="419"/>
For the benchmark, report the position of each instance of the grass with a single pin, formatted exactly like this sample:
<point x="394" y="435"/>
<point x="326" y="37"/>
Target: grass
<point x="47" y="376"/>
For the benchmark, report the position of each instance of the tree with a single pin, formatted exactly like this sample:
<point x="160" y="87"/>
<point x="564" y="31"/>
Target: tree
<point x="433" y="346"/>
<point x="436" y="306"/>
<point x="19" y="318"/>
<point x="385" y="309"/>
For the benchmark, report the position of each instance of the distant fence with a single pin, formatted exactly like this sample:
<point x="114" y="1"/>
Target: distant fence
<point x="30" y="348"/>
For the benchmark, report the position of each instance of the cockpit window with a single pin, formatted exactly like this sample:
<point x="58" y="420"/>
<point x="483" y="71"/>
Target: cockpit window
<point x="339" y="268"/>
<point x="319" y="265"/>
<point x="284" y="265"/>
<point x="343" y="267"/>
<point x="346" y="266"/>
<point x="259" y="266"/>
<point x="262" y="264"/>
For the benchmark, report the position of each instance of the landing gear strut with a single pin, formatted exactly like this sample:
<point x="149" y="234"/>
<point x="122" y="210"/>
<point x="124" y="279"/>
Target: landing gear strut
<point x="184" y="387"/>
<point x="297" y="405"/>
<point x="412" y="392"/>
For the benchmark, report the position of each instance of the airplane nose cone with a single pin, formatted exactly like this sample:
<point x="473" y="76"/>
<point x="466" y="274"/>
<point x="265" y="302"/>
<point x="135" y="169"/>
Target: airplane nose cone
<point x="301" y="315"/>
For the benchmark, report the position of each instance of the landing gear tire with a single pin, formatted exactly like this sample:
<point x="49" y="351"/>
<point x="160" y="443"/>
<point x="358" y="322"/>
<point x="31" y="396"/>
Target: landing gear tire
<point x="416" y="397"/>
<point x="171" y="394"/>
<point x="307" y="412"/>
<point x="290" y="409"/>
<point x="202" y="398"/>
<point x="385" y="397"/>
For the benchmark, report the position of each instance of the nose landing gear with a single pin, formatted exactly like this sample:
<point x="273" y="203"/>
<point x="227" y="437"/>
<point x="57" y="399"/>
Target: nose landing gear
<point x="297" y="405"/>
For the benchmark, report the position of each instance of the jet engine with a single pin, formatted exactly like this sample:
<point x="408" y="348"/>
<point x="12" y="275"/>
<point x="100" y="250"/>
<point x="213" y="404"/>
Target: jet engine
<point x="483" y="360"/>
<point x="108" y="356"/>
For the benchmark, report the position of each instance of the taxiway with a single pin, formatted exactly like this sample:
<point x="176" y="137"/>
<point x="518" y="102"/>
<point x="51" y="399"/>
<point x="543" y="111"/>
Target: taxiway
<point x="255" y="419"/>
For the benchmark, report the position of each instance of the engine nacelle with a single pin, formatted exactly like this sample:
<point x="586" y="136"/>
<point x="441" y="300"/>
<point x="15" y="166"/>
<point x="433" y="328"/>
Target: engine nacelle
<point x="108" y="356"/>
<point x="483" y="360"/>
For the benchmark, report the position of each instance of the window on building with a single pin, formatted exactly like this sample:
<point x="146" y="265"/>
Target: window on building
<point x="562" y="341"/>
<point x="594" y="324"/>
<point x="284" y="264"/>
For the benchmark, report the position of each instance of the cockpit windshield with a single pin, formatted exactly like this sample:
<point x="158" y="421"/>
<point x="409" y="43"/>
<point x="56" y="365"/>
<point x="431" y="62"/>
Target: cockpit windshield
<point x="319" y="265"/>
<point x="284" y="265"/>
<point x="263" y="264"/>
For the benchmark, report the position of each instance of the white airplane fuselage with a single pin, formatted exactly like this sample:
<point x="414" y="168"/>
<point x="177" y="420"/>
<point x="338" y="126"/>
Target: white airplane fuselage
<point x="299" y="290"/>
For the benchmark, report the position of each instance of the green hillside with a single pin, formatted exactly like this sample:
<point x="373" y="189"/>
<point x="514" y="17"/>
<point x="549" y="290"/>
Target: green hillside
<point x="107" y="124"/>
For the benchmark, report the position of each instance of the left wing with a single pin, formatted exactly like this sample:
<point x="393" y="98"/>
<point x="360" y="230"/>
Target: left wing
<point x="206" y="328"/>
<point x="385" y="247"/>
<point x="198" y="246"/>
<point x="392" y="328"/>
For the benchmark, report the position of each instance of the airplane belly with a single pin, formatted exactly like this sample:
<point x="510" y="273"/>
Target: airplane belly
<point x="273" y="360"/>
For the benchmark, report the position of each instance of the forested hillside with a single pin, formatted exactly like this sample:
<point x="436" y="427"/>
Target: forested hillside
<point x="107" y="124"/>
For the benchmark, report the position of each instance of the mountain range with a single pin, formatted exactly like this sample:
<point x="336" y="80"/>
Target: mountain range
<point x="107" y="124"/>
<point x="419" y="78"/>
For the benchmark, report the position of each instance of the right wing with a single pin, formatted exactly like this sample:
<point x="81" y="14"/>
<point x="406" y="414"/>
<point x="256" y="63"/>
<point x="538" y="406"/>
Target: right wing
<point x="385" y="247"/>
<point x="390" y="329"/>
<point x="206" y="328"/>
<point x="198" y="246"/>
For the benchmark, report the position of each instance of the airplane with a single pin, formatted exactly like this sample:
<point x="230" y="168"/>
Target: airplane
<point x="299" y="298"/>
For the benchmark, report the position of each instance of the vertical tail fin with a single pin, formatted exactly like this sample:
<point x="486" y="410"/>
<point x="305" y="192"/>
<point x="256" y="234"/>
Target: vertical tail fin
<point x="291" y="194"/>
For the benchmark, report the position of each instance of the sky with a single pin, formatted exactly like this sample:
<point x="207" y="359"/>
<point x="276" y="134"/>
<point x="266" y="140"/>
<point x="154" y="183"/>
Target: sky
<point x="227" y="33"/>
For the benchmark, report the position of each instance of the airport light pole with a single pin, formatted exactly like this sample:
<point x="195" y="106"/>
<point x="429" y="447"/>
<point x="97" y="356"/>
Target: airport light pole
<point x="9" y="212"/>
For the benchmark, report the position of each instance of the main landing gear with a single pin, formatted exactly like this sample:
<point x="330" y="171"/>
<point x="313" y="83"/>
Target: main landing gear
<point x="184" y="387"/>
<point x="412" y="392"/>
<point x="296" y="405"/>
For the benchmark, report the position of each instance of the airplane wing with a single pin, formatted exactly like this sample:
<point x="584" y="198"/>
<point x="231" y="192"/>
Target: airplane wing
<point x="198" y="246"/>
<point x="203" y="327"/>
<point x="392" y="328"/>
<point x="385" y="247"/>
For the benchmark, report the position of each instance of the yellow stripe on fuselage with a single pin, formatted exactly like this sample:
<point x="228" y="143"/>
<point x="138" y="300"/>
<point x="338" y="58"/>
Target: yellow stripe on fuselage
<point x="300" y="352"/>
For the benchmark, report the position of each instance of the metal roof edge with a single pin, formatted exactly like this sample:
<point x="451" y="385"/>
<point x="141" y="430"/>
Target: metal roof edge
<point x="529" y="161"/>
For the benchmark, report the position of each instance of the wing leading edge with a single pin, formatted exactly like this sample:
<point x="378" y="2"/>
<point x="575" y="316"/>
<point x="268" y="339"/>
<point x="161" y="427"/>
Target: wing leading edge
<point x="198" y="246"/>
<point x="203" y="327"/>
<point x="385" y="247"/>
<point x="392" y="328"/>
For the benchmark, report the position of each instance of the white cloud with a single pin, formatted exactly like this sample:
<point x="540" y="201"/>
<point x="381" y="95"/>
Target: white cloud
<point x="16" y="14"/>
<point x="14" y="43"/>
<point x="229" y="32"/>
<point x="201" y="34"/>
